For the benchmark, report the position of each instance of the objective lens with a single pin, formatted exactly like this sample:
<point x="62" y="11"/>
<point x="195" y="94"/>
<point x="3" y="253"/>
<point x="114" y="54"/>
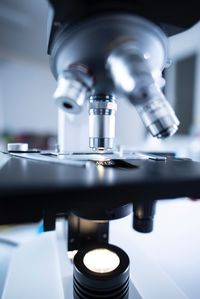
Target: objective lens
<point x="70" y="95"/>
<point x="132" y="74"/>
<point x="72" y="88"/>
<point x="156" y="112"/>
<point x="102" y="110"/>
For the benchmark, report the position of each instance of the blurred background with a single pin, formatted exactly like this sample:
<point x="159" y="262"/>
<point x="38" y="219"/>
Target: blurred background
<point x="27" y="111"/>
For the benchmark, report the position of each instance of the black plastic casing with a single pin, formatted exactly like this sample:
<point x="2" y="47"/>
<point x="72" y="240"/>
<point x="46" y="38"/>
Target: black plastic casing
<point x="173" y="17"/>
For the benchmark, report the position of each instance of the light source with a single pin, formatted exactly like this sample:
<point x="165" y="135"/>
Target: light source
<point x="101" y="271"/>
<point x="101" y="260"/>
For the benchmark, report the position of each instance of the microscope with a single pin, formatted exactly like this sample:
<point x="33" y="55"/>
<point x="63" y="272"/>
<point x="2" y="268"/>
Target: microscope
<point x="101" y="53"/>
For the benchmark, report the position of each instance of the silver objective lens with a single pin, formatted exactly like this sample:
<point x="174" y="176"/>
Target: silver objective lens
<point x="156" y="113"/>
<point x="132" y="74"/>
<point x="72" y="89"/>
<point x="70" y="95"/>
<point x="102" y="122"/>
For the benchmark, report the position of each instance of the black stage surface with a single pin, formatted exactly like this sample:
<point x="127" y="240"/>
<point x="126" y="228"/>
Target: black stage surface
<point x="28" y="188"/>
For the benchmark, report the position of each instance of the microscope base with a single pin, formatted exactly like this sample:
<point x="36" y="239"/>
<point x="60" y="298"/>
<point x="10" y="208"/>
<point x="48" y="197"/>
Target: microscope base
<point x="41" y="269"/>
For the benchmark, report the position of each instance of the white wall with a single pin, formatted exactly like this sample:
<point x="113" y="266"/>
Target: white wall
<point x="26" y="82"/>
<point x="185" y="43"/>
<point x="130" y="130"/>
<point x="26" y="88"/>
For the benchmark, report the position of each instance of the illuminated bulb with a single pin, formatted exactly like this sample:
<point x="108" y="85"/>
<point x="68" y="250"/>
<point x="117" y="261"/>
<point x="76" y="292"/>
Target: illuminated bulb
<point x="101" y="271"/>
<point x="101" y="260"/>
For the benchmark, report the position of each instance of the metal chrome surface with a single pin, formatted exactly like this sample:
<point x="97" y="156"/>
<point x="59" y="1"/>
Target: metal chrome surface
<point x="102" y="122"/>
<point x="141" y="82"/>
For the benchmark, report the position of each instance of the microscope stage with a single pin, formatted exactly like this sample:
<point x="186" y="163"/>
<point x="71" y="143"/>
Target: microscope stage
<point x="29" y="182"/>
